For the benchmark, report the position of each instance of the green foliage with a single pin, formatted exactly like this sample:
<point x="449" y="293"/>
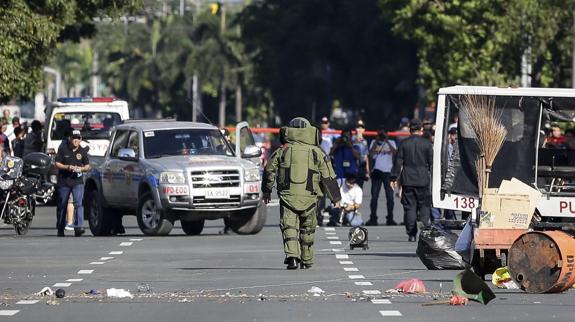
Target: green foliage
<point x="29" y="31"/>
<point x="480" y="42"/>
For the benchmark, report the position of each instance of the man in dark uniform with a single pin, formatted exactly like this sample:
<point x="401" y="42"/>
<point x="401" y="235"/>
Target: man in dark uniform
<point x="413" y="169"/>
<point x="72" y="161"/>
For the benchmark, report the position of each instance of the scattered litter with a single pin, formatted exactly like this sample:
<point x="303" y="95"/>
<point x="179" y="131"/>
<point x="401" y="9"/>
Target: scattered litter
<point x="458" y="300"/>
<point x="93" y="292"/>
<point x="471" y="286"/>
<point x="52" y="302"/>
<point x="144" y="288"/>
<point x="60" y="293"/>
<point x="118" y="292"/>
<point x="411" y="286"/>
<point x="46" y="291"/>
<point x="261" y="297"/>
<point x="502" y="279"/>
<point x="316" y="291"/>
<point x="436" y="249"/>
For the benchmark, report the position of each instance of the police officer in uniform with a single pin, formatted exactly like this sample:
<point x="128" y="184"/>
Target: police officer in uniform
<point x="303" y="173"/>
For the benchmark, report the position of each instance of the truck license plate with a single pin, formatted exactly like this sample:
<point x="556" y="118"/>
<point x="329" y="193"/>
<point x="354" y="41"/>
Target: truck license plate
<point x="176" y="190"/>
<point x="217" y="194"/>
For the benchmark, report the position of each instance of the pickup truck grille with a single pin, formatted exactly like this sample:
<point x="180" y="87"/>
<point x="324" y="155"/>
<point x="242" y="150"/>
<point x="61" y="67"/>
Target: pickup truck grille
<point x="215" y="179"/>
<point x="200" y="202"/>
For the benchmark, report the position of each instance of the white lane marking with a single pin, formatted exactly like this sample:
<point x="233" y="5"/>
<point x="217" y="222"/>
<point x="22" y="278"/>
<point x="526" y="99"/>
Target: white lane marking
<point x="116" y="253"/>
<point x="371" y="292"/>
<point x="329" y="229"/>
<point x="337" y="250"/>
<point x="96" y="263"/>
<point x="332" y="237"/>
<point x="74" y="280"/>
<point x="136" y="239"/>
<point x="351" y="269"/>
<point x="325" y="221"/>
<point x="8" y="312"/>
<point x="356" y="277"/>
<point x="363" y="283"/>
<point x="346" y="262"/>
<point x="335" y="242"/>
<point x="25" y="302"/>
<point x="380" y="301"/>
<point x="274" y="203"/>
<point x="86" y="271"/>
<point x="331" y="233"/>
<point x="124" y="244"/>
<point x="106" y="258"/>
<point x="62" y="285"/>
<point x="341" y="256"/>
<point x="390" y="313"/>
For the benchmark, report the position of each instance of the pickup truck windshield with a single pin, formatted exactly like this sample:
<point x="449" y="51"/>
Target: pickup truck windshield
<point x="185" y="142"/>
<point x="92" y="125"/>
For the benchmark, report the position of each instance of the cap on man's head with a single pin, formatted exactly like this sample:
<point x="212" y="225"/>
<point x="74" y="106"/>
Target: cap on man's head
<point x="76" y="134"/>
<point x="453" y="130"/>
<point x="324" y="119"/>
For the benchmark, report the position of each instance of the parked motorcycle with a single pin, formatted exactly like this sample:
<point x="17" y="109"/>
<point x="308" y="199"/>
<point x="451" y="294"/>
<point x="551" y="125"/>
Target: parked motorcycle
<point x="22" y="184"/>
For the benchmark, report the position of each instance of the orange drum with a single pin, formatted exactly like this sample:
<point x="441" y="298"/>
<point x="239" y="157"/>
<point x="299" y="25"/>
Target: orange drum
<point x="543" y="262"/>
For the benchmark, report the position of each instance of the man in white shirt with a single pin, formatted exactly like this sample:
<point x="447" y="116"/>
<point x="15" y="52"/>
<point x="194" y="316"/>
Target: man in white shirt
<point x="382" y="151"/>
<point x="326" y="138"/>
<point x="351" y="197"/>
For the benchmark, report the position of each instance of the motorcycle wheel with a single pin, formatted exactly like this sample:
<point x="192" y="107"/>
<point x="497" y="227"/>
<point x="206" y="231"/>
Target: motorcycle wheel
<point x="22" y="227"/>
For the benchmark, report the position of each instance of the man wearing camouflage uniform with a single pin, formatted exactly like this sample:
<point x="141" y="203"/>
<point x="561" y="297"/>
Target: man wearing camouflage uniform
<point x="304" y="174"/>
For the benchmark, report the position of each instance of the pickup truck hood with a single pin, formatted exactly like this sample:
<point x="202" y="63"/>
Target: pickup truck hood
<point x="190" y="161"/>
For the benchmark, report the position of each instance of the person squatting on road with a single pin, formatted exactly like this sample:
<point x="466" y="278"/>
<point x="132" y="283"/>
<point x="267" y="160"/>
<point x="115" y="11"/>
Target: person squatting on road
<point x="413" y="169"/>
<point x="71" y="161"/>
<point x="304" y="174"/>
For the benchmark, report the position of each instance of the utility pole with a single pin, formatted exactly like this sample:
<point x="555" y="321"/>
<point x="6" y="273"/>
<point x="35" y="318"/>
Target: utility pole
<point x="95" y="78"/>
<point x="58" y="76"/>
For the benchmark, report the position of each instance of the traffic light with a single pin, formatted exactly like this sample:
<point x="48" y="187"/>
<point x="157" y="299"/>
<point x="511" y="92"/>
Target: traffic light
<point x="216" y="8"/>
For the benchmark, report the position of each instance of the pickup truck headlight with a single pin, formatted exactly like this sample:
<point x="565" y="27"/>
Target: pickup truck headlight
<point x="252" y="175"/>
<point x="172" y="177"/>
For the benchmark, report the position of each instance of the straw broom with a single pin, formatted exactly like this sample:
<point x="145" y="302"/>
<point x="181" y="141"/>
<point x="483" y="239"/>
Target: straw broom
<point x="489" y="134"/>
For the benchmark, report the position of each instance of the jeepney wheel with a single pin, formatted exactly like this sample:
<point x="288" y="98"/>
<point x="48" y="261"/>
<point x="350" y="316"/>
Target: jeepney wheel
<point x="99" y="218"/>
<point x="192" y="228"/>
<point x="152" y="220"/>
<point x="250" y="221"/>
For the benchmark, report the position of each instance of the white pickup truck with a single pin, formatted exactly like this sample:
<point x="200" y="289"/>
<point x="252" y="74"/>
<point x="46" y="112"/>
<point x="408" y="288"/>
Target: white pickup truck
<point x="163" y="171"/>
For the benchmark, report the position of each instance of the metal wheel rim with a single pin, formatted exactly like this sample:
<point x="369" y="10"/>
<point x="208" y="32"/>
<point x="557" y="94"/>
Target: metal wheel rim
<point x="150" y="214"/>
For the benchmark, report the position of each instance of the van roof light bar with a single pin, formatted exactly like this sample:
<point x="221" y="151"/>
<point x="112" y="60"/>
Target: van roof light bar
<point x="86" y="99"/>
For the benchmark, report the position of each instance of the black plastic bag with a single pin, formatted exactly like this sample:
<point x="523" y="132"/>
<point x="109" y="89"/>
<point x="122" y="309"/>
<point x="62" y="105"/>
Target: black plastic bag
<point x="436" y="249"/>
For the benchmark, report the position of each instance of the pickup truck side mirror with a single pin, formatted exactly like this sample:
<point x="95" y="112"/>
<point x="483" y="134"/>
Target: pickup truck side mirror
<point x="251" y="151"/>
<point x="127" y="154"/>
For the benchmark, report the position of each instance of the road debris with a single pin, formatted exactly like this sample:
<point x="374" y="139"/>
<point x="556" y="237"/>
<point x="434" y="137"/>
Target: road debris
<point x="60" y="293"/>
<point x="46" y="291"/>
<point x="410" y="286"/>
<point x="316" y="291"/>
<point x="118" y="292"/>
<point x="502" y="279"/>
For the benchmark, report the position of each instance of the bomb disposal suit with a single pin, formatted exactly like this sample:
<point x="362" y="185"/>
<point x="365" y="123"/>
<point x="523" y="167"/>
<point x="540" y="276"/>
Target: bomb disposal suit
<point x="304" y="174"/>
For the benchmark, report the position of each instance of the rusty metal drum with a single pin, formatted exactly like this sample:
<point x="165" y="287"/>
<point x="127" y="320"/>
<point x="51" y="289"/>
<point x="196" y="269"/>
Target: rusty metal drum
<point x="543" y="262"/>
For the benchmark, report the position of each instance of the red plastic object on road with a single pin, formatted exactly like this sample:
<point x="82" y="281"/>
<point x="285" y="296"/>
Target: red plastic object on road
<point x="411" y="286"/>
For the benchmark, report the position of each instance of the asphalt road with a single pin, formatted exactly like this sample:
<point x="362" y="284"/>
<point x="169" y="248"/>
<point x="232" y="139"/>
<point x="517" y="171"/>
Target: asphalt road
<point x="216" y="277"/>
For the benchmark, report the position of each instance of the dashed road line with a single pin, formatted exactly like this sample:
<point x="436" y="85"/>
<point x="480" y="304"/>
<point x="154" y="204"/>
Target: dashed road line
<point x="62" y="285"/>
<point x="136" y="239"/>
<point x="86" y="271"/>
<point x="330" y="233"/>
<point x="356" y="277"/>
<point x="106" y="258"/>
<point x="335" y="242"/>
<point x="332" y="237"/>
<point x="346" y="262"/>
<point x="27" y="302"/>
<point x="335" y="250"/>
<point x="118" y="252"/>
<point x="351" y="269"/>
<point x="74" y="280"/>
<point x="363" y="283"/>
<point x="341" y="256"/>
<point x="371" y="292"/>
<point x="329" y="229"/>
<point x="8" y="312"/>
<point x="126" y="244"/>
<point x="97" y="263"/>
<point x="390" y="313"/>
<point x="380" y="301"/>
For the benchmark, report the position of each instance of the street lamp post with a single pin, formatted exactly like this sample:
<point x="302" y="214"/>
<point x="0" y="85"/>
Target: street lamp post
<point x="58" y="76"/>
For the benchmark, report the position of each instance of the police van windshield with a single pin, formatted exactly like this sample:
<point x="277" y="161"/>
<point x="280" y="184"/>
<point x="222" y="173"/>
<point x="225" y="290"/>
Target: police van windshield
<point x="92" y="125"/>
<point x="185" y="142"/>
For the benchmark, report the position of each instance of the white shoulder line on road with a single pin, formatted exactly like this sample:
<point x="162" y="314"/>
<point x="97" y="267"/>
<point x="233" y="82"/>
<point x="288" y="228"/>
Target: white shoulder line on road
<point x="27" y="302"/>
<point x="380" y="301"/>
<point x="97" y="263"/>
<point x="346" y="262"/>
<point x="341" y="256"/>
<point x="335" y="242"/>
<point x="74" y="280"/>
<point x="136" y="239"/>
<point x="356" y="277"/>
<point x="106" y="258"/>
<point x="62" y="285"/>
<point x="86" y="271"/>
<point x="371" y="292"/>
<point x="363" y="283"/>
<point x="124" y="244"/>
<point x="390" y="313"/>
<point x="329" y="229"/>
<point x="116" y="253"/>
<point x="8" y="312"/>
<point x="351" y="269"/>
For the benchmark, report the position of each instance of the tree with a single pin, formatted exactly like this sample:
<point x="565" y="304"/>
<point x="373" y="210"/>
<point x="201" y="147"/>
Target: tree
<point x="30" y="30"/>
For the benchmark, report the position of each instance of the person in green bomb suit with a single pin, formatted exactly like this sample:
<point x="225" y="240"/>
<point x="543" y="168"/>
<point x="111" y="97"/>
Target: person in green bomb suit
<point x="303" y="173"/>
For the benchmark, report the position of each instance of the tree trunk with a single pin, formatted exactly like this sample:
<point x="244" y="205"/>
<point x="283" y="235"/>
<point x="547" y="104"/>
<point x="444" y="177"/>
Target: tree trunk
<point x="222" y="114"/>
<point x="238" y="103"/>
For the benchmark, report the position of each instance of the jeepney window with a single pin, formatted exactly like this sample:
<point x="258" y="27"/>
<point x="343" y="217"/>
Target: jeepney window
<point x="133" y="142"/>
<point x="120" y="141"/>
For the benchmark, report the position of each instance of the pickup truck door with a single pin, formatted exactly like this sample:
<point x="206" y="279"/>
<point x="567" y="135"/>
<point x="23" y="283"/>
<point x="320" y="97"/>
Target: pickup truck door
<point x="132" y="171"/>
<point x="245" y="139"/>
<point x="113" y="172"/>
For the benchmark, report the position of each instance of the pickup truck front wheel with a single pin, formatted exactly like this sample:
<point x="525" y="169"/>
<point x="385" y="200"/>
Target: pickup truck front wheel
<point x="152" y="220"/>
<point x="250" y="221"/>
<point x="99" y="218"/>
